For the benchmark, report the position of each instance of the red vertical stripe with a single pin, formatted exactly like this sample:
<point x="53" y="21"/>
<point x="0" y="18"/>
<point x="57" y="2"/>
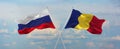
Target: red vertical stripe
<point x="95" y="25"/>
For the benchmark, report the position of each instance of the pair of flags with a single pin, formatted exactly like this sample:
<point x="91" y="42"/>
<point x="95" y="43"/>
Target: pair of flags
<point x="77" y="20"/>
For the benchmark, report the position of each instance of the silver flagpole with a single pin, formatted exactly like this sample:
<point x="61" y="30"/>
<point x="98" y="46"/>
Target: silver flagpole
<point x="60" y="34"/>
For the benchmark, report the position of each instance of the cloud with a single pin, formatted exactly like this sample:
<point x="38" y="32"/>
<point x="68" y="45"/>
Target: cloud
<point x="75" y="36"/>
<point x="42" y="34"/>
<point x="15" y="31"/>
<point x="103" y="45"/>
<point x="8" y="14"/>
<point x="9" y="44"/>
<point x="15" y="12"/>
<point x="111" y="38"/>
<point x="3" y="30"/>
<point x="41" y="43"/>
<point x="116" y="2"/>
<point x="116" y="37"/>
<point x="110" y="46"/>
<point x="41" y="48"/>
<point x="13" y="43"/>
<point x="67" y="41"/>
<point x="90" y="44"/>
<point x="116" y="21"/>
<point x="41" y="37"/>
<point x="6" y="36"/>
<point x="4" y="24"/>
<point x="27" y="19"/>
<point x="6" y="45"/>
<point x="32" y="17"/>
<point x="34" y="2"/>
<point x="106" y="24"/>
<point x="45" y="31"/>
<point x="77" y="31"/>
<point x="34" y="43"/>
<point x="83" y="36"/>
<point x="98" y="9"/>
<point x="106" y="46"/>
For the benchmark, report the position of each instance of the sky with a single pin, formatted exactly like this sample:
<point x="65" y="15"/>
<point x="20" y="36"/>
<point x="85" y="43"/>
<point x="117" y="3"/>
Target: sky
<point x="11" y="11"/>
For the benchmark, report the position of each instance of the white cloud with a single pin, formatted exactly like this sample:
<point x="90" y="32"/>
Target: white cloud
<point x="77" y="31"/>
<point x="35" y="1"/>
<point x="117" y="22"/>
<point x="108" y="38"/>
<point x="69" y="36"/>
<point x="4" y="24"/>
<point x="106" y="46"/>
<point x="13" y="43"/>
<point x="27" y="19"/>
<point x="6" y="45"/>
<point x="67" y="41"/>
<point x="75" y="36"/>
<point x="44" y="31"/>
<point x="8" y="11"/>
<point x="83" y="36"/>
<point x="45" y="42"/>
<point x="41" y="34"/>
<point x="109" y="46"/>
<point x="22" y="11"/>
<point x="34" y="16"/>
<point x="106" y="24"/>
<point x="9" y="44"/>
<point x="116" y="38"/>
<point x="3" y="30"/>
<point x="41" y="48"/>
<point x="32" y="43"/>
<point x="7" y="36"/>
<point x="15" y="31"/>
<point x="90" y="44"/>
<point x="100" y="45"/>
<point x="41" y="37"/>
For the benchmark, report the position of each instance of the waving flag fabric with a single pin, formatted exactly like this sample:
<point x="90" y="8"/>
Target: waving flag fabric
<point x="35" y="22"/>
<point x="88" y="22"/>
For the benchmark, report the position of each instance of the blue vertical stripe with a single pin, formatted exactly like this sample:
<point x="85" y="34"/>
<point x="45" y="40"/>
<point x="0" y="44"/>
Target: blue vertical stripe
<point x="73" y="21"/>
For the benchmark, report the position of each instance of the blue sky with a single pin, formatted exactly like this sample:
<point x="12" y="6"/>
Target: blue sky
<point x="13" y="10"/>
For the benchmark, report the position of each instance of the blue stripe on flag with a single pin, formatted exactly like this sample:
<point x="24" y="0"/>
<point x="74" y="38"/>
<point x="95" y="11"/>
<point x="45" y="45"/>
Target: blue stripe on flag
<point x="73" y="21"/>
<point x="35" y="22"/>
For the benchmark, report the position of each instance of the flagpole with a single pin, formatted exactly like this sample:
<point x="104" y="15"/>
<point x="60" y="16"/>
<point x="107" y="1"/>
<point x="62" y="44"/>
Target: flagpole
<point x="63" y="29"/>
<point x="60" y="36"/>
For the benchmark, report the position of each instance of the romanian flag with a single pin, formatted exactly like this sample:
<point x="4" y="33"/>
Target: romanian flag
<point x="35" y="22"/>
<point x="88" y="22"/>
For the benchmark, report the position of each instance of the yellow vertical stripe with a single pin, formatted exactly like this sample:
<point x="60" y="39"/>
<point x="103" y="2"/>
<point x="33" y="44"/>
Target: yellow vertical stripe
<point x="84" y="20"/>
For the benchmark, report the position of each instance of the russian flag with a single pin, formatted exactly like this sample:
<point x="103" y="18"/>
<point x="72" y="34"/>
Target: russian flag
<point x="35" y="22"/>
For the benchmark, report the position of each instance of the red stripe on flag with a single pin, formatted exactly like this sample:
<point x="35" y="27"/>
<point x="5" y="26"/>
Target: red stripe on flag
<point x="41" y="26"/>
<point x="95" y="25"/>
